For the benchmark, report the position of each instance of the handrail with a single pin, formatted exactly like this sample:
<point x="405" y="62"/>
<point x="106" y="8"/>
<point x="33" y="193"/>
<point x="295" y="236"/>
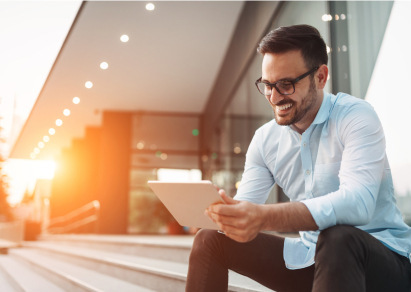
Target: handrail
<point x="65" y="219"/>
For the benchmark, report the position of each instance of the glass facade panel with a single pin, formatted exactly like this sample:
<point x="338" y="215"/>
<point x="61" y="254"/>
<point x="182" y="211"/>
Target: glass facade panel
<point x="392" y="103"/>
<point x="366" y="21"/>
<point x="306" y="12"/>
<point x="144" y="207"/>
<point x="159" y="140"/>
<point x="165" y="131"/>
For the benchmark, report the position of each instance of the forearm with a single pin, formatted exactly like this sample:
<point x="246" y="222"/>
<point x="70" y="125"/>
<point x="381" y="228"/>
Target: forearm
<point x="286" y="217"/>
<point x="242" y="220"/>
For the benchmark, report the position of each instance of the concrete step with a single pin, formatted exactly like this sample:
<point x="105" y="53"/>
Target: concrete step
<point x="17" y="276"/>
<point x="67" y="276"/>
<point x="7" y="282"/>
<point x="6" y="285"/>
<point x="171" y="248"/>
<point x="156" y="274"/>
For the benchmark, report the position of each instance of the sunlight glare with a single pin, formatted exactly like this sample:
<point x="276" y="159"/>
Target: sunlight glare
<point x="179" y="175"/>
<point x="23" y="174"/>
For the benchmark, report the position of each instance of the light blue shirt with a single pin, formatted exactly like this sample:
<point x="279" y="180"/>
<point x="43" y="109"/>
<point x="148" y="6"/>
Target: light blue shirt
<point x="338" y="168"/>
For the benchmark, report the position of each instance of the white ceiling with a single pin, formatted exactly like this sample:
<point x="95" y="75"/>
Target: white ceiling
<point x="169" y="64"/>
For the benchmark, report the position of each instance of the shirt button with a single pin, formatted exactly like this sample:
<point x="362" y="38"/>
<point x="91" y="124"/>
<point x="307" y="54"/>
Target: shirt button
<point x="304" y="144"/>
<point x="307" y="172"/>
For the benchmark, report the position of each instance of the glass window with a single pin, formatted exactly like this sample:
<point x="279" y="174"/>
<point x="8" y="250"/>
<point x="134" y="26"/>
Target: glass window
<point x="159" y="141"/>
<point x="392" y="103"/>
<point x="366" y="21"/>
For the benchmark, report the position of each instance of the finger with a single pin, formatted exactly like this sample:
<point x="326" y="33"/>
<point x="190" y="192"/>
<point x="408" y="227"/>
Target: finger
<point x="210" y="215"/>
<point x="207" y="213"/>
<point x="227" y="199"/>
<point x="223" y="220"/>
<point x="232" y="210"/>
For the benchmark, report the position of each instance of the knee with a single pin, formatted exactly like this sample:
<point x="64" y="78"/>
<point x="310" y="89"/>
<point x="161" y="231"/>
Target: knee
<point x="204" y="241"/>
<point x="337" y="241"/>
<point x="338" y="234"/>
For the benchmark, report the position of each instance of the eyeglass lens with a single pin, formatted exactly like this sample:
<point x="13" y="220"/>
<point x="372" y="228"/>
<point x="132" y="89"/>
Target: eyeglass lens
<point x="283" y="87"/>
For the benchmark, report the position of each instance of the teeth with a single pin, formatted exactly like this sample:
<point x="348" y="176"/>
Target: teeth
<point x="284" y="107"/>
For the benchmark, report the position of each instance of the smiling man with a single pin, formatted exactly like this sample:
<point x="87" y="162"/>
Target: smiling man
<point x="327" y="152"/>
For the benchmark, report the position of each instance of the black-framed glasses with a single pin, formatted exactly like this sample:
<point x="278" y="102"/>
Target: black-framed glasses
<point x="283" y="87"/>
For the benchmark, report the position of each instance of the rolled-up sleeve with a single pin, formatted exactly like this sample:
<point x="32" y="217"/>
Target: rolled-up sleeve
<point x="322" y="211"/>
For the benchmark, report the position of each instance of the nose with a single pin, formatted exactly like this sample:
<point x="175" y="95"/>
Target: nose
<point x="275" y="97"/>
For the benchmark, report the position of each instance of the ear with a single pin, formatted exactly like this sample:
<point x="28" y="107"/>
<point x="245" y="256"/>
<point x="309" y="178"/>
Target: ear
<point x="321" y="76"/>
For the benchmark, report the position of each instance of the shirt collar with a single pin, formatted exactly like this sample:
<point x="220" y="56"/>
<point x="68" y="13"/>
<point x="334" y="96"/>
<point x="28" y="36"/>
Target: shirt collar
<point x="324" y="111"/>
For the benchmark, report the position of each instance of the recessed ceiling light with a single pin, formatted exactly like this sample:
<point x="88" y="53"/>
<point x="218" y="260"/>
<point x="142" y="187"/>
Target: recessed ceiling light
<point x="104" y="65"/>
<point x="41" y="145"/>
<point x="59" y="122"/>
<point x="52" y="131"/>
<point x="140" y="145"/>
<point x="66" y="112"/>
<point x="124" y="38"/>
<point x="32" y="155"/>
<point x="46" y="139"/>
<point x="88" y="84"/>
<point x="150" y="6"/>
<point x="36" y="150"/>
<point x="76" y="100"/>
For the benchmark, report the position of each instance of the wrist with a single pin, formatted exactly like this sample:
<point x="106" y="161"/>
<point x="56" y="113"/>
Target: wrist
<point x="265" y="217"/>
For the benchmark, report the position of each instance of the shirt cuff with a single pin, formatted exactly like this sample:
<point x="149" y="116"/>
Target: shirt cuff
<point x="322" y="211"/>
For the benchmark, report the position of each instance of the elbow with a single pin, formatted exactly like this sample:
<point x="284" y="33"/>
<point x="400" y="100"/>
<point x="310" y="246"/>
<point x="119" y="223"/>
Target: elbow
<point x="357" y="210"/>
<point x="361" y="216"/>
<point x="356" y="216"/>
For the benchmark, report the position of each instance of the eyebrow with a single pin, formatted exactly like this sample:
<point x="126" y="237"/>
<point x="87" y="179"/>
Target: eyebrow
<point x="282" y="79"/>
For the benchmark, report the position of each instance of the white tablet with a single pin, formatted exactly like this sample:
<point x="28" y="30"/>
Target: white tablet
<point x="187" y="201"/>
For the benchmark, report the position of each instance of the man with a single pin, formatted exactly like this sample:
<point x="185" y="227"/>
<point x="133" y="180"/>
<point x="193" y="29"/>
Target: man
<point x="327" y="152"/>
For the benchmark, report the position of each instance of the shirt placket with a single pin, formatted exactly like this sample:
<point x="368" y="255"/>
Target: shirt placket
<point x="307" y="162"/>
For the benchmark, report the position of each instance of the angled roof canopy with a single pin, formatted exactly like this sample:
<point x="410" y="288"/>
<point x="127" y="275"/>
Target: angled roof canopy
<point x="169" y="63"/>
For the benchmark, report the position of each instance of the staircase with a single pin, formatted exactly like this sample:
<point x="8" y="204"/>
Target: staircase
<point x="117" y="263"/>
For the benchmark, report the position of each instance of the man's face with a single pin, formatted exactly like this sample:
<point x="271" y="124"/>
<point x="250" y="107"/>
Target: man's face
<point x="300" y="108"/>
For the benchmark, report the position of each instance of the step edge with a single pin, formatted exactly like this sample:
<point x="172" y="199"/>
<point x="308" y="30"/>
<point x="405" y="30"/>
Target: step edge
<point x="140" y="267"/>
<point x="117" y="262"/>
<point x="143" y="242"/>
<point x="59" y="274"/>
<point x="11" y="279"/>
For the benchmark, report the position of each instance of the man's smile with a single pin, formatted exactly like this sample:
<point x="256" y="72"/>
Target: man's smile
<point x="284" y="106"/>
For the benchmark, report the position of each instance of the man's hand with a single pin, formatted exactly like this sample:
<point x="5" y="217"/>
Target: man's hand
<point x="239" y="220"/>
<point x="242" y="221"/>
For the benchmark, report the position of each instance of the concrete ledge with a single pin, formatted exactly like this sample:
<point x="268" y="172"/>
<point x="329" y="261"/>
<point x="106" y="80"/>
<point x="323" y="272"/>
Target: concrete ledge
<point x="6" y="244"/>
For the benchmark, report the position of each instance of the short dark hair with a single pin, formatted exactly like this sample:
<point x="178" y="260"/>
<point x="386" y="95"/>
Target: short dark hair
<point x="303" y="37"/>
